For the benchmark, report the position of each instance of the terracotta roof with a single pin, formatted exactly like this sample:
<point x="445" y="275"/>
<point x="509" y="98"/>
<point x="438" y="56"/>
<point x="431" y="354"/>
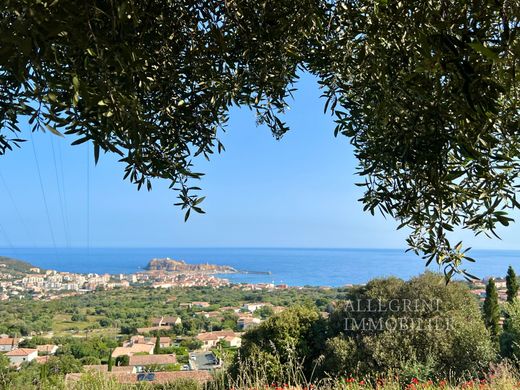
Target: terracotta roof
<point x="146" y="360"/>
<point x="96" y="368"/>
<point x="215" y="335"/>
<point x="21" y="352"/>
<point x="8" y="341"/>
<point x="136" y="348"/>
<point x="48" y="348"/>
<point x="42" y="359"/>
<point x="150" y="340"/>
<point x="126" y="369"/>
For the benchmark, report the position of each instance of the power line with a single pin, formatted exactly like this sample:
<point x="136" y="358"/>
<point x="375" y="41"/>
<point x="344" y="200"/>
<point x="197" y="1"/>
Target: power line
<point x="63" y="189"/>
<point x="30" y="237"/>
<point x="43" y="192"/>
<point x="6" y="237"/>
<point x="60" y="197"/>
<point x="88" y="199"/>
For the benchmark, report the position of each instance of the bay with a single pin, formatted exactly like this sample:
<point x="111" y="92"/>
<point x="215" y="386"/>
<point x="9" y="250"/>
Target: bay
<point x="292" y="266"/>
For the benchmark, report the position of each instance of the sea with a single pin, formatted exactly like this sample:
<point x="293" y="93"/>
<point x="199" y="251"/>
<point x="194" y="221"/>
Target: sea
<point x="292" y="266"/>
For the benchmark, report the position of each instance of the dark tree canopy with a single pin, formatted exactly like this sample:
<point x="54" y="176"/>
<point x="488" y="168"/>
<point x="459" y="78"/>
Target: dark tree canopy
<point x="512" y="285"/>
<point x="492" y="309"/>
<point x="427" y="92"/>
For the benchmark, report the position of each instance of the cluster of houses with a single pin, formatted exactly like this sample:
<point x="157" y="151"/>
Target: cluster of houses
<point x="169" y="280"/>
<point x="478" y="288"/>
<point x="9" y="347"/>
<point x="50" y="284"/>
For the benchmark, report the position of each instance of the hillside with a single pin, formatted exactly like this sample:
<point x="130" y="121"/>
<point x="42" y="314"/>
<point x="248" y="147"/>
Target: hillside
<point x="171" y="265"/>
<point x="14" y="266"/>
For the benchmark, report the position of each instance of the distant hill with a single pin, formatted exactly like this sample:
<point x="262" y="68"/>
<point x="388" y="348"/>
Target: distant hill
<point x="14" y="266"/>
<point x="171" y="265"/>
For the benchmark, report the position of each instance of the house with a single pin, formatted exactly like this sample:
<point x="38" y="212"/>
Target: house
<point x="230" y="308"/>
<point x="132" y="350"/>
<point x="141" y="362"/>
<point x="47" y="349"/>
<point x="8" y="344"/>
<point x="211" y="339"/>
<point x="21" y="355"/>
<point x="245" y="323"/>
<point x="252" y="307"/>
<point x="164" y="341"/>
<point x="213" y="314"/>
<point x="201" y="305"/>
<point x="166" y="321"/>
<point x="42" y="359"/>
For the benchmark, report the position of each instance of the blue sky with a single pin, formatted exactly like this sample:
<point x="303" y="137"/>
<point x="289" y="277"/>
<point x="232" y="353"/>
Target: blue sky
<point x="296" y="192"/>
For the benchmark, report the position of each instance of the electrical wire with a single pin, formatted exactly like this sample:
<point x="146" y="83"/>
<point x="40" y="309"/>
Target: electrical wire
<point x="64" y="192"/>
<point x="60" y="197"/>
<point x="27" y="231"/>
<point x="43" y="192"/>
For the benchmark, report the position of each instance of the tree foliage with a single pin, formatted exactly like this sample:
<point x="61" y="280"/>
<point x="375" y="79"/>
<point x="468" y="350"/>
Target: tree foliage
<point x="492" y="309"/>
<point x="432" y="328"/>
<point x="511" y="284"/>
<point x="427" y="92"/>
<point x="510" y="338"/>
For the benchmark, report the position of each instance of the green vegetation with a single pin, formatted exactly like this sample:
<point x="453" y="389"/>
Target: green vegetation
<point x="512" y="285"/>
<point x="126" y="310"/>
<point x="427" y="93"/>
<point x="157" y="347"/>
<point x="492" y="309"/>
<point x="15" y="267"/>
<point x="432" y="331"/>
<point x="421" y="331"/>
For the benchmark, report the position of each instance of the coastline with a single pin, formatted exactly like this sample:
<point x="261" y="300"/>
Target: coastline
<point x="294" y="267"/>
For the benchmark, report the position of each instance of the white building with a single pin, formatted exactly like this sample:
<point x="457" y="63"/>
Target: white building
<point x="21" y="355"/>
<point x="8" y="344"/>
<point x="252" y="307"/>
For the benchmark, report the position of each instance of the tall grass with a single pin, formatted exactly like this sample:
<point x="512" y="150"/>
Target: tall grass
<point x="501" y="377"/>
<point x="257" y="376"/>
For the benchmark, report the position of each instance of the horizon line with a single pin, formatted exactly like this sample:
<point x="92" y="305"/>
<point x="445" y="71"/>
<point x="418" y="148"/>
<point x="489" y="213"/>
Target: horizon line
<point x="232" y="247"/>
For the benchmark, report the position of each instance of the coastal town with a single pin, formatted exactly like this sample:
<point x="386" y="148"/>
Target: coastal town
<point x="171" y="321"/>
<point x="164" y="348"/>
<point x="39" y="284"/>
<point x="36" y="283"/>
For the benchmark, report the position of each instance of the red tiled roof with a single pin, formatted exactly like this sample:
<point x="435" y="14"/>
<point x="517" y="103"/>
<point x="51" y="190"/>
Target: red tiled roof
<point x="21" y="352"/>
<point x="8" y="341"/>
<point x="136" y="348"/>
<point x="47" y="348"/>
<point x="215" y="335"/>
<point x="42" y="359"/>
<point x="146" y="360"/>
